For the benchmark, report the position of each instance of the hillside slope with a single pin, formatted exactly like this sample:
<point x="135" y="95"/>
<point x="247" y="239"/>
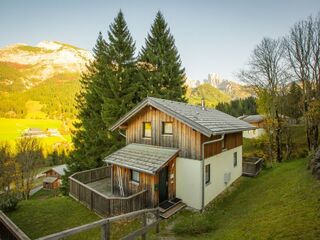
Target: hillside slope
<point x="281" y="203"/>
<point x="211" y="95"/>
<point x="46" y="76"/>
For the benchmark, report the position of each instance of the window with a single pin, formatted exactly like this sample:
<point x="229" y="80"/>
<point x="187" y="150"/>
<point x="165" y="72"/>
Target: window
<point x="208" y="174"/>
<point x="147" y="129"/>
<point x="167" y="128"/>
<point x="235" y="159"/>
<point x="135" y="176"/>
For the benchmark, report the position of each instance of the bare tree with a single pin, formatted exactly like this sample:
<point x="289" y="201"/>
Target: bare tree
<point x="28" y="156"/>
<point x="303" y="54"/>
<point x="7" y="167"/>
<point x="267" y="74"/>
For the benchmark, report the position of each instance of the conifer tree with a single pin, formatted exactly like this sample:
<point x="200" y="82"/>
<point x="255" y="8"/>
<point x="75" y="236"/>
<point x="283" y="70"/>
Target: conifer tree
<point x="160" y="62"/>
<point x="125" y="87"/>
<point x="90" y="138"/>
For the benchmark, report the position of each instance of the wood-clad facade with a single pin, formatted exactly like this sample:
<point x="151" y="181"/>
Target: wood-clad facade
<point x="183" y="137"/>
<point x="231" y="140"/>
<point x="147" y="181"/>
<point x="186" y="139"/>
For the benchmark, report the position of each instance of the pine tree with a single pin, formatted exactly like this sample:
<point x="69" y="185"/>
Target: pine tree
<point x="125" y="86"/>
<point x="160" y="63"/>
<point x="90" y="138"/>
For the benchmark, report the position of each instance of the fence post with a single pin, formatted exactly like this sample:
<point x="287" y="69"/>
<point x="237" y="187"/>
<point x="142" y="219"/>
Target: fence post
<point x="91" y="200"/>
<point x="105" y="231"/>
<point x="158" y="224"/>
<point x="144" y="223"/>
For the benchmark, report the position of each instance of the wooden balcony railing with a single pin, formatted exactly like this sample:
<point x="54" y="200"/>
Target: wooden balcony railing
<point x="104" y="205"/>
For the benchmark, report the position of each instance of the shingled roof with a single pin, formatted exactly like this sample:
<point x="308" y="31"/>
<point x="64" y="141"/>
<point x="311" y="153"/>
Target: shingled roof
<point x="141" y="157"/>
<point x="208" y="121"/>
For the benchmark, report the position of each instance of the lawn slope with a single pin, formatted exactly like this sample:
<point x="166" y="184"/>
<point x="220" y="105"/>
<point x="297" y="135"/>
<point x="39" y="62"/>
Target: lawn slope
<point x="282" y="203"/>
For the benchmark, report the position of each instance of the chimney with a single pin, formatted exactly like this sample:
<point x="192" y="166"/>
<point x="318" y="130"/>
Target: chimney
<point x="203" y="104"/>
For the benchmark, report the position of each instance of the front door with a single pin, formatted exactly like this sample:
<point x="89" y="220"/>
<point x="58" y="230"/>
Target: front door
<point x="163" y="184"/>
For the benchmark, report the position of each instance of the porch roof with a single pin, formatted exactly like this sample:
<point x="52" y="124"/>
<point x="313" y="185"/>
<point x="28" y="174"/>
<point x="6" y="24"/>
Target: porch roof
<point x="141" y="157"/>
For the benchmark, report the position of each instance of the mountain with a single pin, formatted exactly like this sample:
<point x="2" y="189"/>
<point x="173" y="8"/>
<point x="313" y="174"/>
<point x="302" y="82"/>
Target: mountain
<point x="23" y="67"/>
<point x="211" y="95"/>
<point x="233" y="89"/>
<point x="42" y="80"/>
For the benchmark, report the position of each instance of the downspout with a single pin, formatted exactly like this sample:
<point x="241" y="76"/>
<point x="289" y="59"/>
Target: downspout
<point x="202" y="165"/>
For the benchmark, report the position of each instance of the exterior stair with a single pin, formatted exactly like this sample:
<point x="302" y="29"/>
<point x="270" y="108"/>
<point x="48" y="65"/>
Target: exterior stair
<point x="170" y="207"/>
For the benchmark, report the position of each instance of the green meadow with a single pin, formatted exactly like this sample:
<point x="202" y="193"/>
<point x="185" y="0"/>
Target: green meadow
<point x="11" y="129"/>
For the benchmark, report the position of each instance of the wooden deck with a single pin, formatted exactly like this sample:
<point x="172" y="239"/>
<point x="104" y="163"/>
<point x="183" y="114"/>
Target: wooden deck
<point x="103" y="186"/>
<point x="93" y="189"/>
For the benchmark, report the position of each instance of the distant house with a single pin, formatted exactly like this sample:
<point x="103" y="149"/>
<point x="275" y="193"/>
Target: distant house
<point x="53" y="132"/>
<point x="53" y="177"/>
<point x="176" y="152"/>
<point x="255" y="120"/>
<point x="33" y="132"/>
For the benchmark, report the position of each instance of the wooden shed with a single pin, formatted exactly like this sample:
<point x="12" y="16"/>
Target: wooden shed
<point x="53" y="177"/>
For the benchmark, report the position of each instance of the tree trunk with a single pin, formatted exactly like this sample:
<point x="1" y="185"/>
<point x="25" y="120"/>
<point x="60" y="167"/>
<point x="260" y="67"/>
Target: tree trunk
<point x="278" y="138"/>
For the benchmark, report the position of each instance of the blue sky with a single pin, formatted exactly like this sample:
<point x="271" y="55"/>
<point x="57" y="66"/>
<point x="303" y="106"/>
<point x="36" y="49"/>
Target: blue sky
<point x="211" y="36"/>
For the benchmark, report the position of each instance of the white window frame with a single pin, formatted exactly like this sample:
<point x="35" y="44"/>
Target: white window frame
<point x="144" y="130"/>
<point x="207" y="174"/>
<point x="235" y="159"/>
<point x="164" y="127"/>
<point x="135" y="176"/>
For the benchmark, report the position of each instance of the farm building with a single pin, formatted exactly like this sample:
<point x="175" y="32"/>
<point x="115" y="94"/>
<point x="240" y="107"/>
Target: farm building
<point x="257" y="121"/>
<point x="53" y="132"/>
<point x="174" y="153"/>
<point x="53" y="177"/>
<point x="33" y="132"/>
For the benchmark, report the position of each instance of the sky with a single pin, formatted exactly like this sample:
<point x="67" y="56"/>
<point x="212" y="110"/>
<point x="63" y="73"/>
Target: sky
<point x="211" y="36"/>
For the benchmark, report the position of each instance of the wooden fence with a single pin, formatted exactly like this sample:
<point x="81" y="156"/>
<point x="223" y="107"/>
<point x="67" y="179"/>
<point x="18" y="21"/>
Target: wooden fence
<point x="252" y="166"/>
<point x="100" y="203"/>
<point x="10" y="231"/>
<point x="105" y="226"/>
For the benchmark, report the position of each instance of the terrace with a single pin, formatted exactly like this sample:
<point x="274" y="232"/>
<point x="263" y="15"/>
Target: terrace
<point x="94" y="187"/>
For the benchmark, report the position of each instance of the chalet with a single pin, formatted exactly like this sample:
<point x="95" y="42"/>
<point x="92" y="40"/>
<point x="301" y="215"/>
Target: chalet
<point x="177" y="150"/>
<point x="257" y="121"/>
<point x="175" y="153"/>
<point x="53" y="176"/>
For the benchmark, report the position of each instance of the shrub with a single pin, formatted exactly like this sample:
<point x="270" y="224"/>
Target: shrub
<point x="194" y="225"/>
<point x="8" y="202"/>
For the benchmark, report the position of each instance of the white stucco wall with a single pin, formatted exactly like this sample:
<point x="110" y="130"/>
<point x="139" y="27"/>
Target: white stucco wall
<point x="219" y="165"/>
<point x="253" y="133"/>
<point x="188" y="181"/>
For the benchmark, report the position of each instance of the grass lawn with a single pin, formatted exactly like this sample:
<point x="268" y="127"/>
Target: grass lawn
<point x="10" y="129"/>
<point x="283" y="202"/>
<point x="45" y="214"/>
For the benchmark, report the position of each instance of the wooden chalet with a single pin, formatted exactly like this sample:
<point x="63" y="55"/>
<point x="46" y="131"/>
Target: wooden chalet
<point x="53" y="177"/>
<point x="174" y="152"/>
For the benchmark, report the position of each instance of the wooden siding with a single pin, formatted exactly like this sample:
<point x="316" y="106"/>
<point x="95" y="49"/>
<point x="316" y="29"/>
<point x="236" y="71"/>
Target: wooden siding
<point x="97" y="201"/>
<point x="232" y="140"/>
<point x="54" y="185"/>
<point x="147" y="182"/>
<point x="184" y="138"/>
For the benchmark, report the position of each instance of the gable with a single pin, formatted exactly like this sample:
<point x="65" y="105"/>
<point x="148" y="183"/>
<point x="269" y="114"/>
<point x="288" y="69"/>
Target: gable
<point x="184" y="138"/>
<point x="206" y="121"/>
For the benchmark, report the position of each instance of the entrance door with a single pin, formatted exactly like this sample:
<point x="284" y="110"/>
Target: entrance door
<point x="163" y="184"/>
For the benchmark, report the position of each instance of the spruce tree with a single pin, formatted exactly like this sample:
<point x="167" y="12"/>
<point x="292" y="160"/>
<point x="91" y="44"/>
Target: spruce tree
<point x="160" y="63"/>
<point x="125" y="84"/>
<point x="90" y="138"/>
